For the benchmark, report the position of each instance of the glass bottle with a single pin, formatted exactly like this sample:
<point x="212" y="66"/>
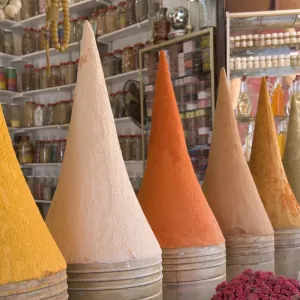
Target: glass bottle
<point x="122" y="15"/>
<point x="111" y="19"/>
<point x="27" y="78"/>
<point x="72" y="30"/>
<point x="26" y="9"/>
<point x="42" y="39"/>
<point x="39" y="115"/>
<point x="25" y="151"/>
<point x="15" y="115"/>
<point x="118" y="57"/>
<point x="162" y="26"/>
<point x="130" y="9"/>
<point x="45" y="152"/>
<point x="35" y="8"/>
<point x="278" y="99"/>
<point x="26" y="42"/>
<point x="101" y="23"/>
<point x="43" y="78"/>
<point x="249" y="141"/>
<point x="36" y="79"/>
<point x="7" y="40"/>
<point x="93" y="21"/>
<point x="35" y="36"/>
<point x="207" y="13"/>
<point x="28" y="114"/>
<point x="244" y="105"/>
<point x="136" y="55"/>
<point x="141" y="10"/>
<point x="282" y="138"/>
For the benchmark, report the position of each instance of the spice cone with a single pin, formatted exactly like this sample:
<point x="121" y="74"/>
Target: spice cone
<point x="95" y="216"/>
<point x="291" y="160"/>
<point x="267" y="169"/>
<point x="228" y="185"/>
<point x="170" y="194"/>
<point x="28" y="253"/>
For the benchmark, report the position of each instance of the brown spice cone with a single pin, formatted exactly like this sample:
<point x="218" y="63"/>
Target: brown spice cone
<point x="267" y="169"/>
<point x="228" y="185"/>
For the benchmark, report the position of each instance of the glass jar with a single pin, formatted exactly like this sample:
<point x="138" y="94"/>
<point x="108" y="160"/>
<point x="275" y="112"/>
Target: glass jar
<point x="101" y="23"/>
<point x="3" y="81"/>
<point x="275" y="62"/>
<point x="232" y="63"/>
<point x="262" y="62"/>
<point x="28" y="114"/>
<point x="54" y="74"/>
<point x="118" y="57"/>
<point x="54" y="149"/>
<point x="244" y="63"/>
<point x="11" y="79"/>
<point x="243" y="41"/>
<point x="207" y="13"/>
<point x="8" y="42"/>
<point x="280" y="39"/>
<point x="287" y="60"/>
<point x="121" y="104"/>
<point x="122" y="15"/>
<point x="70" y="73"/>
<point x="127" y="63"/>
<point x="36" y="79"/>
<point x="69" y="110"/>
<point x="39" y="115"/>
<point x="37" y="149"/>
<point x="113" y="100"/>
<point x="49" y="117"/>
<point x="43" y="78"/>
<point x="274" y="39"/>
<point x="268" y="39"/>
<point x="35" y="36"/>
<point x="25" y="150"/>
<point x="238" y="64"/>
<point x="26" y="42"/>
<point x="256" y="40"/>
<point x="162" y="26"/>
<point x="252" y="63"/>
<point x="35" y="8"/>
<point x="237" y="41"/>
<point x="5" y="110"/>
<point x="60" y="31"/>
<point x="127" y="148"/>
<point x="72" y="30"/>
<point x="298" y="37"/>
<point x="26" y="9"/>
<point x="63" y="73"/>
<point x="42" y="39"/>
<point x="79" y="28"/>
<point x="287" y="39"/>
<point x="54" y="181"/>
<point x="93" y="21"/>
<point x="30" y="180"/>
<point x="294" y="60"/>
<point x="249" y="40"/>
<point x="45" y="152"/>
<point x="281" y="61"/>
<point x="43" y="6"/>
<point x="141" y="10"/>
<point x="136" y="147"/>
<point x="47" y="189"/>
<point x="136" y="55"/>
<point x="262" y="41"/>
<point x="145" y="58"/>
<point x="15" y="115"/>
<point x="62" y="112"/>
<point x="111" y="19"/>
<point x="108" y="64"/>
<point x="27" y="78"/>
<point x="130" y="10"/>
<point x="61" y="150"/>
<point x="268" y="61"/>
<point x="293" y="37"/>
<point x="39" y="188"/>
<point x="149" y="93"/>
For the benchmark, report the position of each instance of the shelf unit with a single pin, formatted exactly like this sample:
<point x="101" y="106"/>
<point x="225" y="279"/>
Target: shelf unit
<point x="132" y="34"/>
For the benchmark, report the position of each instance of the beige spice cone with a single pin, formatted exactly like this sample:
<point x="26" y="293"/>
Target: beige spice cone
<point x="95" y="216"/>
<point x="267" y="168"/>
<point x="228" y="185"/>
<point x="291" y="160"/>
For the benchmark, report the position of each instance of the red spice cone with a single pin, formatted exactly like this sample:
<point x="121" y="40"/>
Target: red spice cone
<point x="170" y="195"/>
<point x="228" y="185"/>
<point x="267" y="169"/>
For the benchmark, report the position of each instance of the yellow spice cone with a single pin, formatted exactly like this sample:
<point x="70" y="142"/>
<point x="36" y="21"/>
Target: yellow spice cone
<point x="228" y="185"/>
<point x="27" y="249"/>
<point x="267" y="169"/>
<point x="291" y="160"/>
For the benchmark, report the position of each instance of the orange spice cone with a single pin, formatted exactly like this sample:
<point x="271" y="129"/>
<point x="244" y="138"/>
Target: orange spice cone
<point x="274" y="189"/>
<point x="291" y="160"/>
<point x="95" y="217"/>
<point x="31" y="265"/>
<point x="233" y="196"/>
<point x="175" y="206"/>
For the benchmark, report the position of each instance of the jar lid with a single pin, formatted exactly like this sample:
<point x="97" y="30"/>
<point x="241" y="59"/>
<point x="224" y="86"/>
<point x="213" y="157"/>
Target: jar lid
<point x="231" y="38"/>
<point x="128" y="48"/>
<point x="275" y="57"/>
<point x="108" y="54"/>
<point x="103" y="10"/>
<point x="280" y="34"/>
<point x="249" y="36"/>
<point x="237" y="38"/>
<point x="113" y="94"/>
<point x="268" y="35"/>
<point x="83" y="18"/>
<point x="293" y="33"/>
<point x="269" y="57"/>
<point x="118" y="51"/>
<point x="244" y="59"/>
<point x="28" y="66"/>
<point x="243" y="37"/>
<point x="274" y="34"/>
<point x="287" y="34"/>
<point x="255" y="36"/>
<point x="43" y="68"/>
<point x="77" y="60"/>
<point x="139" y="45"/>
<point x="112" y="7"/>
<point x="62" y="63"/>
<point x="73" y="19"/>
<point x="261" y="36"/>
<point x="262" y="58"/>
<point x="122" y="3"/>
<point x="61" y="22"/>
<point x="281" y="56"/>
<point x="26" y="29"/>
<point x="54" y="66"/>
<point x="30" y="102"/>
<point x="122" y="92"/>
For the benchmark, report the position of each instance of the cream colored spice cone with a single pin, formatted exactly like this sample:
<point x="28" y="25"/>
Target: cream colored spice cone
<point x="95" y="217"/>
